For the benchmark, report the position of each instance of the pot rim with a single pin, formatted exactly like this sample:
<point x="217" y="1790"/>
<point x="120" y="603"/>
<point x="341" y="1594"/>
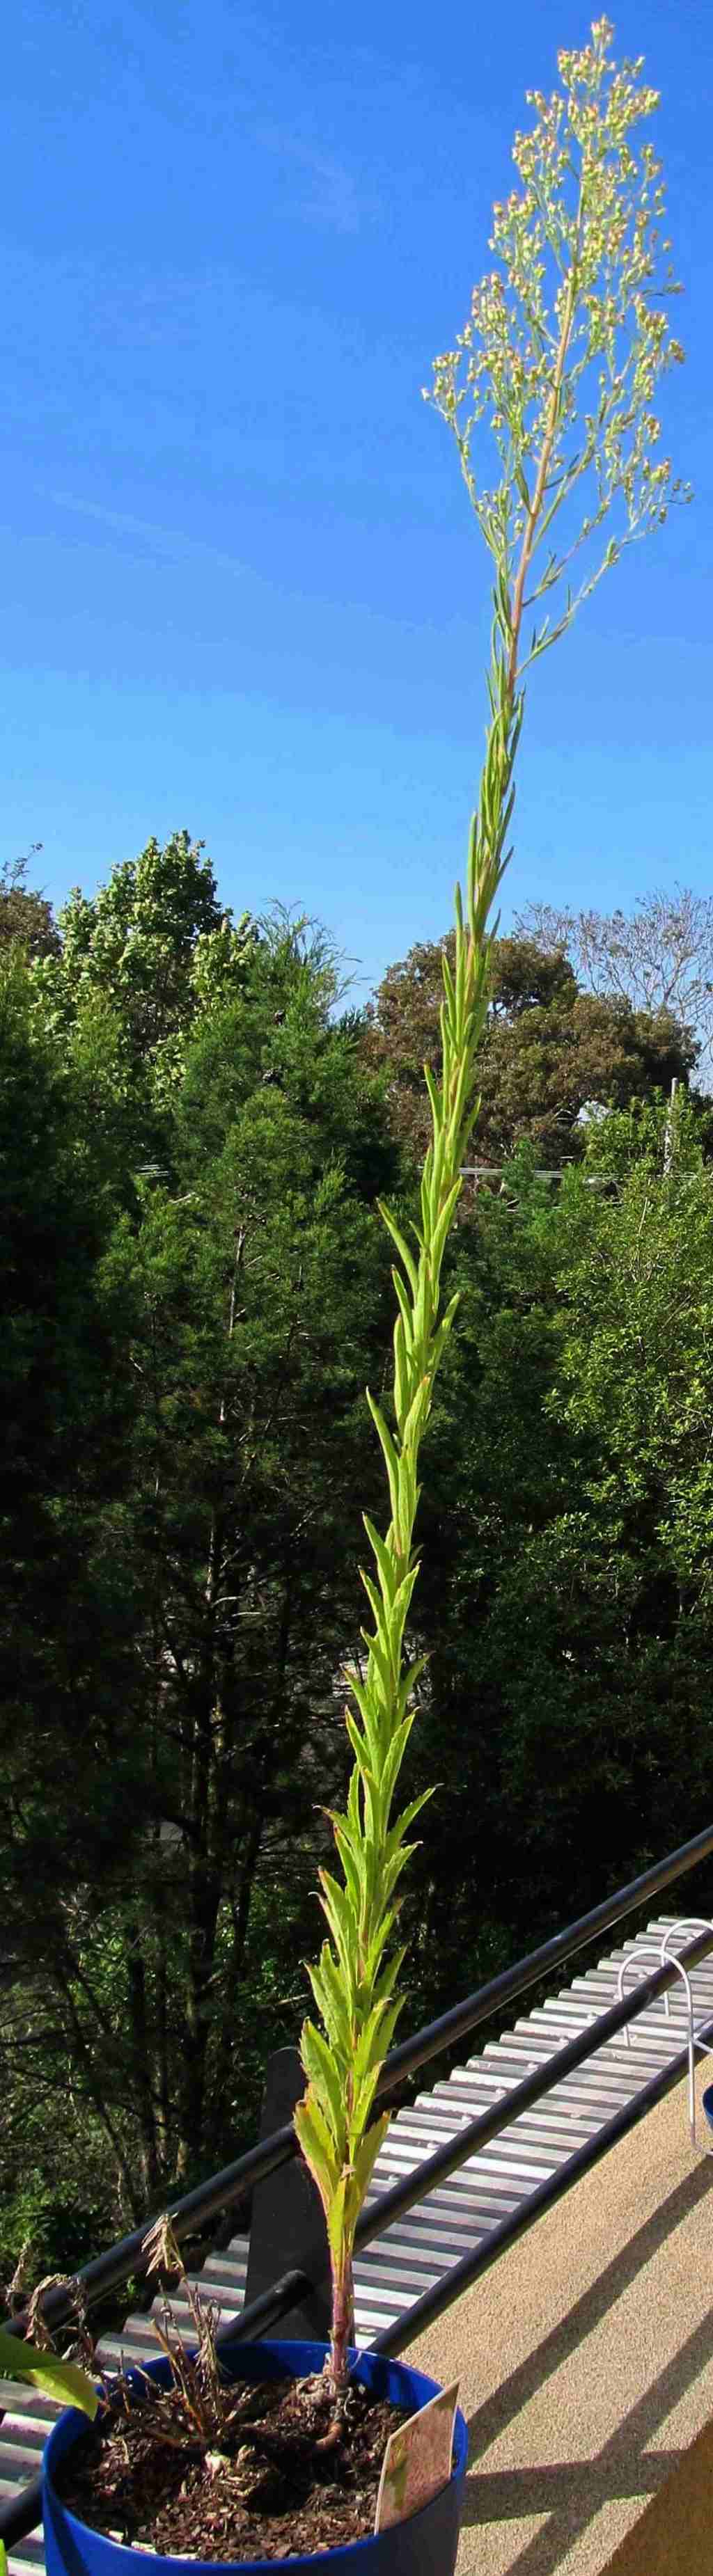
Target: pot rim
<point x="299" y="2565"/>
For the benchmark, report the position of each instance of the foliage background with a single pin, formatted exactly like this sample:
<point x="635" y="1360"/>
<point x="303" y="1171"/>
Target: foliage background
<point x="194" y="1129"/>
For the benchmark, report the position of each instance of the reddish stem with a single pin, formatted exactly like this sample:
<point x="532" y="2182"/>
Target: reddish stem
<point x="342" y="2323"/>
<point x="541" y="478"/>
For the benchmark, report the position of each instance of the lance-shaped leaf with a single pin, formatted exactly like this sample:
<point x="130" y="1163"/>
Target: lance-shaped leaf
<point x="400" y="1241"/>
<point x="445" y="1327"/>
<point x="317" y="2147"/>
<point x="394" y="1758"/>
<point x="376" y="2037"/>
<point x="331" y="2004"/>
<point x="392" y="1867"/>
<point x="377" y="1944"/>
<point x="365" y="1757"/>
<point x="351" y="1857"/>
<point x="337" y="1907"/>
<point x="363" y="1694"/>
<point x="45" y="2371"/>
<point x="377" y="1611"/>
<point x="325" y="2080"/>
<point x="403" y="1823"/>
<point x="337" y="2217"/>
<point x="390" y="1456"/>
<point x="402" y="1373"/>
<point x="384" y="1559"/>
<point x="389" y="1976"/>
<point x="435" y="1099"/>
<point x="449" y="988"/>
<point x="417" y="1411"/>
<point x="442" y="1228"/>
<point x="354" y="1801"/>
<point x="365" y="2160"/>
<point x="401" y="1604"/>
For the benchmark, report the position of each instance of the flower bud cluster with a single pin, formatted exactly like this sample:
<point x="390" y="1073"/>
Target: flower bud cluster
<point x="568" y="337"/>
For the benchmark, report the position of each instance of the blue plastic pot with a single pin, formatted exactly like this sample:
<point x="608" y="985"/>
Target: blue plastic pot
<point x="424" y="2546"/>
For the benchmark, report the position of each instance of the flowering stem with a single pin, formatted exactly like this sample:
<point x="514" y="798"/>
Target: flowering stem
<point x="604" y="259"/>
<point x="541" y="476"/>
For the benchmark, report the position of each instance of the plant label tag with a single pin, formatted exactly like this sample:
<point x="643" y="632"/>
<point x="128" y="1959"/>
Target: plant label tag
<point x="417" y="2459"/>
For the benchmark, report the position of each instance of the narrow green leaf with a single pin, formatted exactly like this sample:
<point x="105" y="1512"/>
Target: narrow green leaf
<point x="335" y="2009"/>
<point x="384" y="1558"/>
<point x="342" y="1922"/>
<point x="364" y="1755"/>
<point x="336" y="2021"/>
<point x="45" y="2371"/>
<point x="376" y="2036"/>
<point x="399" y="1239"/>
<point x="353" y="1802"/>
<point x="407" y="1686"/>
<point x="405" y="1305"/>
<point x="314" y="2139"/>
<point x="378" y="1943"/>
<point x="449" y="989"/>
<point x="388" y="1977"/>
<point x="435" y="1099"/>
<point x="404" y="1822"/>
<point x="441" y="1162"/>
<point x="363" y="1695"/>
<point x="394" y="1758"/>
<point x="417" y="1410"/>
<point x="336" y="2217"/>
<point x="380" y="1678"/>
<point x="352" y="1860"/>
<point x="443" y="1227"/>
<point x="373" y="1597"/>
<point x="390" y="1456"/>
<point x="325" y="2079"/>
<point x="402" y="1380"/>
<point x="393" y="1867"/>
<point x="372" y="1818"/>
<point x="401" y="1603"/>
<point x="362" y="2098"/>
<point x="444" y="1329"/>
<point x="365" y="2158"/>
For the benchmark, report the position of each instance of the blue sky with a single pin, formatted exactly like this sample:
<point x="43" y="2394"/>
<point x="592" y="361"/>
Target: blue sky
<point x="242" y="587"/>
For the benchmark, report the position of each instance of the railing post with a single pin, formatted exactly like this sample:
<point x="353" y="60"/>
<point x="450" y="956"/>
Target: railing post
<point x="288" y="2227"/>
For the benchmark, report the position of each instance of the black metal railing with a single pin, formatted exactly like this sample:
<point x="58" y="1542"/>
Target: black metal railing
<point x="22" y="2513"/>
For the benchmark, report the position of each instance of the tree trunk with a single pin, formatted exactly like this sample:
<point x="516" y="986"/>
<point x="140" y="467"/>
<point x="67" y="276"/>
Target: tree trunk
<point x="92" y="2081"/>
<point x="226" y="2046"/>
<point x="141" y="2063"/>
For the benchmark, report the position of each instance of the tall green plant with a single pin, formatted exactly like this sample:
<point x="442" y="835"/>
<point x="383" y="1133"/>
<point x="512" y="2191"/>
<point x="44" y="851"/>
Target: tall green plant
<point x="562" y="352"/>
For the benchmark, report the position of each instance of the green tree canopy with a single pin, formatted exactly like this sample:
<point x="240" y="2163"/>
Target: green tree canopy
<point x="194" y="1292"/>
<point x="568" y="1546"/>
<point x="197" y="1294"/>
<point x="26" y="918"/>
<point x="148" y="941"/>
<point x="549" y="1050"/>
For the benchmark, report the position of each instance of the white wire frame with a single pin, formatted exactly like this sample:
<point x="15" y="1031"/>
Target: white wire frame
<point x="686" y="1925"/>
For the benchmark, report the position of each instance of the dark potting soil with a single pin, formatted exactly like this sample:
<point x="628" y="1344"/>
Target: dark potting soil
<point x="291" y="2472"/>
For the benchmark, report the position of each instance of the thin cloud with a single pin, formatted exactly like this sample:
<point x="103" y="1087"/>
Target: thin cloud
<point x="332" y="196"/>
<point x="173" y="541"/>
